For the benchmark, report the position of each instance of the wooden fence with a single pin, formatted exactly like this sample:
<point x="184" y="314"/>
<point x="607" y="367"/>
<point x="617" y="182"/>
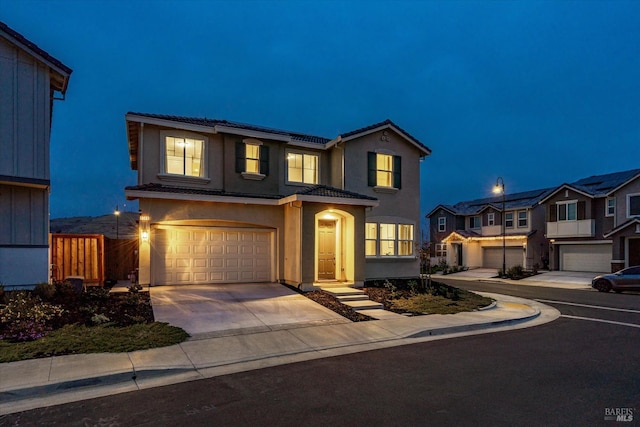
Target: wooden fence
<point x="77" y="255"/>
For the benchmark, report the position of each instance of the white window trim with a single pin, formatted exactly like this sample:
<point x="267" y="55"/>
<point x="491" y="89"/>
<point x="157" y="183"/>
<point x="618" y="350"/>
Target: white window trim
<point x="526" y="219"/>
<point x="491" y="218"/>
<point x="396" y="241"/>
<point x="442" y="250"/>
<point x="512" y="219"/>
<point x="629" y="196"/>
<point x="566" y="202"/>
<point x="442" y="224"/>
<point x="255" y="176"/>
<point x="303" y="153"/>
<point x="375" y="240"/>
<point x="163" y="175"/>
<point x="606" y="206"/>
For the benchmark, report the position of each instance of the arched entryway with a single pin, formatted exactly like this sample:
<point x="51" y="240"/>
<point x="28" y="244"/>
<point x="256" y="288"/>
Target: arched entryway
<point x="334" y="246"/>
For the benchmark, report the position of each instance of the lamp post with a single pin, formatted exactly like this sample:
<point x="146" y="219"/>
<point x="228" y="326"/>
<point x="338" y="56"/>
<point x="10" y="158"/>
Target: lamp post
<point x="117" y="214"/>
<point x="499" y="188"/>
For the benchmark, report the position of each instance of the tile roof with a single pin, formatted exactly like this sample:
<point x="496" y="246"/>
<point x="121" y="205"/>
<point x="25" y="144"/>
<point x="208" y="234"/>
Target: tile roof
<point x="297" y="136"/>
<point x="385" y="123"/>
<point x="317" y="190"/>
<point x="34" y="47"/>
<point x="161" y="188"/>
<point x="326" y="191"/>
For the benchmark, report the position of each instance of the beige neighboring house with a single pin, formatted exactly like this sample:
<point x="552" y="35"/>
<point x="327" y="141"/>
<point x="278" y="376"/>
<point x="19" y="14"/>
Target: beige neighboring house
<point x="29" y="80"/>
<point x="226" y="202"/>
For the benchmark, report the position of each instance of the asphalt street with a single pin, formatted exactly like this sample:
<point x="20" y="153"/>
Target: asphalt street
<point x="577" y="370"/>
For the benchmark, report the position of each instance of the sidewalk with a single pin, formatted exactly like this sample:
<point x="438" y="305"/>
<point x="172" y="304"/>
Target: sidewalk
<point x="51" y="381"/>
<point x="550" y="279"/>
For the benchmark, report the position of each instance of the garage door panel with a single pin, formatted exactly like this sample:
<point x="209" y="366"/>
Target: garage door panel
<point x="591" y="258"/>
<point x="492" y="257"/>
<point x="213" y="256"/>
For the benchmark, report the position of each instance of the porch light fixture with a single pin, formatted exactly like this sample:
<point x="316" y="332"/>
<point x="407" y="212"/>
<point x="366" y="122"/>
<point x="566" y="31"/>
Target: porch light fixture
<point x="497" y="189"/>
<point x="144" y="227"/>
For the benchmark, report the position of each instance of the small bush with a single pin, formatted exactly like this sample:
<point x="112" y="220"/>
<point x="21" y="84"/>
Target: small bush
<point x="26" y="317"/>
<point x="390" y="287"/>
<point x="45" y="291"/>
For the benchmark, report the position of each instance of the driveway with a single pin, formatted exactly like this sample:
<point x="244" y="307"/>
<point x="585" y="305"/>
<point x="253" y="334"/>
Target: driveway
<point x="217" y="310"/>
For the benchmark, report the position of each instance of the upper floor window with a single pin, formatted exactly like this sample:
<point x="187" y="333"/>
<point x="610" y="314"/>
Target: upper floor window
<point x="633" y="205"/>
<point x="302" y="168"/>
<point x="252" y="159"/>
<point x="567" y="211"/>
<point x="442" y="223"/>
<point x="610" y="208"/>
<point x="508" y="220"/>
<point x="522" y="219"/>
<point x="474" y="222"/>
<point x="184" y="156"/>
<point x="491" y="218"/>
<point x="384" y="170"/>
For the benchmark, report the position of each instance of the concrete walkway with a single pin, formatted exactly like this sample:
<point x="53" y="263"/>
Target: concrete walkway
<point x="55" y="380"/>
<point x="551" y="279"/>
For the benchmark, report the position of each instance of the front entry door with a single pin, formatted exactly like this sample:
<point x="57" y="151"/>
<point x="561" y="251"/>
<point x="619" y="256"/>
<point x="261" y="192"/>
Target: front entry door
<point x="326" y="250"/>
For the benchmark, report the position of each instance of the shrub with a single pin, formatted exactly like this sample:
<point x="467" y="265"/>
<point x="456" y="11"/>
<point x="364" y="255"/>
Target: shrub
<point x="390" y="287"/>
<point x="516" y="272"/>
<point x="26" y="317"/>
<point x="45" y="291"/>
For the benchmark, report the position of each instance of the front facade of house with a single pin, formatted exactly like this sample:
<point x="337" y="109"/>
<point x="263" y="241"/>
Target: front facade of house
<point x="224" y="202"/>
<point x="591" y="225"/>
<point x="469" y="234"/>
<point x="30" y="77"/>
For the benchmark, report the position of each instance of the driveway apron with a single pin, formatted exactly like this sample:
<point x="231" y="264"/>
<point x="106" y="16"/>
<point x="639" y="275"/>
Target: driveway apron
<point x="216" y="310"/>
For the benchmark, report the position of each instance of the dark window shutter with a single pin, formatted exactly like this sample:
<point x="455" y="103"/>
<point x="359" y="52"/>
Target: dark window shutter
<point x="372" y="171"/>
<point x="240" y="157"/>
<point x="397" y="172"/>
<point x="582" y="210"/>
<point x="264" y="160"/>
<point x="553" y="213"/>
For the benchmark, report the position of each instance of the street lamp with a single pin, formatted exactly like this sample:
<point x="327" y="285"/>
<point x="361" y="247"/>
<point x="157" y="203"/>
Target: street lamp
<point x="499" y="188"/>
<point x="117" y="214"/>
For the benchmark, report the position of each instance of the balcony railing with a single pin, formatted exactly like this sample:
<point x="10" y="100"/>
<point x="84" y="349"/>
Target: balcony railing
<point x="582" y="228"/>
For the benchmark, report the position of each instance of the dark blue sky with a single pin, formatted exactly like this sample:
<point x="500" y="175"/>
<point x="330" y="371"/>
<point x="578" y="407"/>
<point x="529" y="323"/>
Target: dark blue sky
<point x="540" y="93"/>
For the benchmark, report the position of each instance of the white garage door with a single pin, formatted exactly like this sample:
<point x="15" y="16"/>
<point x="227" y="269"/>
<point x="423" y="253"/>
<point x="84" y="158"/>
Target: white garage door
<point x="188" y="255"/>
<point x="594" y="258"/>
<point x="492" y="257"/>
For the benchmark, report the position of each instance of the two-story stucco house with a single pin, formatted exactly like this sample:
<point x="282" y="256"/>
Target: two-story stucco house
<point x="29" y="80"/>
<point x="592" y="224"/>
<point x="469" y="233"/>
<point x="226" y="202"/>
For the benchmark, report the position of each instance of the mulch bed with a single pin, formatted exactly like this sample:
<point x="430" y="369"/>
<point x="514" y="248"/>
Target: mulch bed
<point x="332" y="303"/>
<point x="383" y="296"/>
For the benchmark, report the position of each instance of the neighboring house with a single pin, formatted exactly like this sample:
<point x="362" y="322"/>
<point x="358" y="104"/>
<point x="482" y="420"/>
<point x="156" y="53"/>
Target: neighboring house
<point x="29" y="79"/>
<point x="593" y="223"/>
<point x="225" y="202"/>
<point x="590" y="225"/>
<point x="469" y="233"/>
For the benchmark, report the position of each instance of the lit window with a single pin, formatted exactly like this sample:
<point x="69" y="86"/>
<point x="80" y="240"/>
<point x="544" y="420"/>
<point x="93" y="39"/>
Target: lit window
<point x="405" y="239"/>
<point x="384" y="167"/>
<point x="252" y="153"/>
<point x="302" y="168"/>
<point x="442" y="224"/>
<point x="183" y="156"/>
<point x="611" y="206"/>
<point x="371" y="238"/>
<point x="491" y="218"/>
<point x="508" y="220"/>
<point x="387" y="239"/>
<point x="522" y="218"/>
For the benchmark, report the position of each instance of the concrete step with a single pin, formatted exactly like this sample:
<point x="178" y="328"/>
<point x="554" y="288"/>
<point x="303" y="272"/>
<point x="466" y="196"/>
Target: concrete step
<point x="338" y="292"/>
<point x="343" y="298"/>
<point x="364" y="305"/>
<point x="379" y="314"/>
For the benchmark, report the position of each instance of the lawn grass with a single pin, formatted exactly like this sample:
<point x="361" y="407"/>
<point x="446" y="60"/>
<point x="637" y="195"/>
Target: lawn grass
<point x="437" y="304"/>
<point x="76" y="339"/>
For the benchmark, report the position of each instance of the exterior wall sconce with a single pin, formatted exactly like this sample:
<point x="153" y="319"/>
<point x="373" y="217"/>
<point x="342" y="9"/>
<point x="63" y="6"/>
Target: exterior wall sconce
<point x="144" y="227"/>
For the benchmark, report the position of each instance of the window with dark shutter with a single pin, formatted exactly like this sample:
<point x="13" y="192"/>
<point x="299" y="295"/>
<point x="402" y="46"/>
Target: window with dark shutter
<point x="264" y="160"/>
<point x="397" y="172"/>
<point x="582" y="210"/>
<point x="240" y="157"/>
<point x="553" y="213"/>
<point x="372" y="169"/>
